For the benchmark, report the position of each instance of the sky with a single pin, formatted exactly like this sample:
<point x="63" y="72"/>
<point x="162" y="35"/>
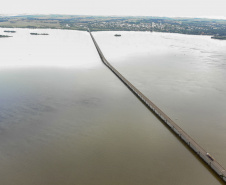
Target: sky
<point x="170" y="8"/>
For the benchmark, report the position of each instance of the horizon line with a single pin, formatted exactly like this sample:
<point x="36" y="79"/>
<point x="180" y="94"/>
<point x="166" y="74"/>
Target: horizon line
<point x="161" y="16"/>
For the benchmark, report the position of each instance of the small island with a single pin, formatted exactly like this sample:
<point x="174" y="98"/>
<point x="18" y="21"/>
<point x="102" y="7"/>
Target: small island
<point x="4" y="36"/>
<point x="220" y="37"/>
<point x="39" y="33"/>
<point x="117" y="35"/>
<point x="9" y="31"/>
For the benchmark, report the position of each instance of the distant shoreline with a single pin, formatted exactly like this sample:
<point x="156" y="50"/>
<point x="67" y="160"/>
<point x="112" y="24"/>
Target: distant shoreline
<point x="189" y="26"/>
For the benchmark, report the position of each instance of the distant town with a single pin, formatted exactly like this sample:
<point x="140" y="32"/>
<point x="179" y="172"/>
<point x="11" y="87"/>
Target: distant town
<point x="195" y="26"/>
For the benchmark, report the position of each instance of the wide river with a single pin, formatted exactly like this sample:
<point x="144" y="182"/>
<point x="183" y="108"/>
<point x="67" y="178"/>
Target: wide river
<point x="65" y="119"/>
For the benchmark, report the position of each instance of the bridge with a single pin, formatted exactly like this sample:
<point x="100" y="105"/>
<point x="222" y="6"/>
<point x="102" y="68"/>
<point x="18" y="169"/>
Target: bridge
<point x="204" y="155"/>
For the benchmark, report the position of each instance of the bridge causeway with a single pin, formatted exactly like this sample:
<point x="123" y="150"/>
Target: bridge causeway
<point x="206" y="157"/>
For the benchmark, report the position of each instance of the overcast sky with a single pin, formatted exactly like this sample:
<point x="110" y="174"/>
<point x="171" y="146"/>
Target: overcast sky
<point x="179" y="8"/>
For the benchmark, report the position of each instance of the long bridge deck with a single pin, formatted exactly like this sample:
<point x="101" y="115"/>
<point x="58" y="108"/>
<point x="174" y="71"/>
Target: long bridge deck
<point x="206" y="157"/>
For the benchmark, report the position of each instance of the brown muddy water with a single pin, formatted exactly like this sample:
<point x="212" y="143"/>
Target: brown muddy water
<point x="66" y="119"/>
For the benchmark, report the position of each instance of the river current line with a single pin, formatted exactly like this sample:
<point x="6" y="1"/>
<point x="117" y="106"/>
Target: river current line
<point x="205" y="156"/>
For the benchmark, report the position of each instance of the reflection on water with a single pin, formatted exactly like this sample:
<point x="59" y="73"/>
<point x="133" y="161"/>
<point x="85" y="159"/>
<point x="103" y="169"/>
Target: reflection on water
<point x="81" y="125"/>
